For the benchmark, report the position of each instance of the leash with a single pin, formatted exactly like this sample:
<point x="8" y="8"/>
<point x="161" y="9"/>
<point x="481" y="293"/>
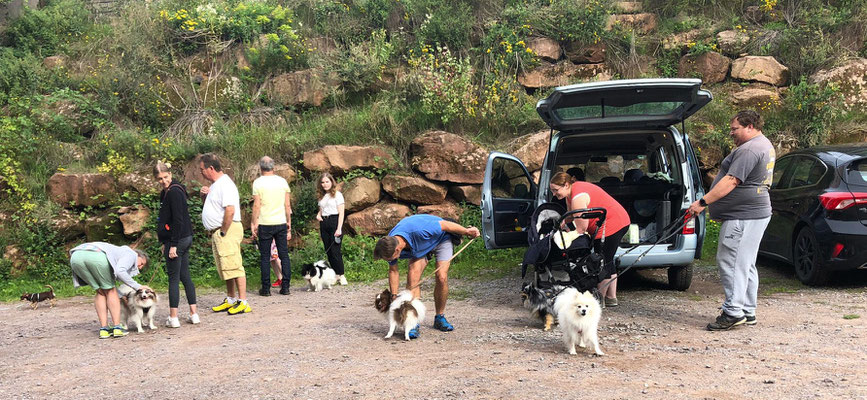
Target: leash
<point x="673" y="232"/>
<point x="449" y="260"/>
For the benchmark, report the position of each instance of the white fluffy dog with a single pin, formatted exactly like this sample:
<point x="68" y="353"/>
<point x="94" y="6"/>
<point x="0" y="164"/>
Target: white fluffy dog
<point x="403" y="310"/>
<point x="136" y="306"/>
<point x="578" y="315"/>
<point x="319" y="275"/>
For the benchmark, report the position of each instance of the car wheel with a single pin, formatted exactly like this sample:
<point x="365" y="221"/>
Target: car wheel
<point x="807" y="260"/>
<point x="679" y="278"/>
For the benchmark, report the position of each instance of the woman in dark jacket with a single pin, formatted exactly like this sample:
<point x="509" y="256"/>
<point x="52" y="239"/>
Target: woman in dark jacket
<point x="175" y="232"/>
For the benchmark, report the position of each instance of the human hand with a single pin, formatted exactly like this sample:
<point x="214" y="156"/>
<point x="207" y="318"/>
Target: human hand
<point x="338" y="232"/>
<point x="319" y="217"/>
<point x="254" y="231"/>
<point x="205" y="190"/>
<point x="473" y="232"/>
<point x="695" y="208"/>
<point x="173" y="252"/>
<point x="288" y="235"/>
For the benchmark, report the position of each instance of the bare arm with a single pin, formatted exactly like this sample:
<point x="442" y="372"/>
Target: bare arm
<point x="582" y="200"/>
<point x="341" y="211"/>
<point x="254" y="220"/>
<point x="227" y="218"/>
<point x="722" y="189"/>
<point x="288" y="203"/>
<point x="393" y="278"/>
<point x="456" y="229"/>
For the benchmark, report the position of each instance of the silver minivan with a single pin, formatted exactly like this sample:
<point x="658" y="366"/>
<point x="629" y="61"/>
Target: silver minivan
<point x="623" y="135"/>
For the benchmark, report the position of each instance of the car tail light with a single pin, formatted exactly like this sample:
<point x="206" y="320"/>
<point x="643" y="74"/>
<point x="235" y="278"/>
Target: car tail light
<point x="689" y="226"/>
<point x="838" y="248"/>
<point x="842" y="200"/>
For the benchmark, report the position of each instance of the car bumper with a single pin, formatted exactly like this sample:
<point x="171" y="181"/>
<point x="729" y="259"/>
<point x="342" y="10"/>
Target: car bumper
<point x="681" y="253"/>
<point x="853" y="255"/>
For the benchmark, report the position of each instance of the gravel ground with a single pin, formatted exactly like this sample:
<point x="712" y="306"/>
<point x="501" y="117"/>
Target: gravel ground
<point x="329" y="345"/>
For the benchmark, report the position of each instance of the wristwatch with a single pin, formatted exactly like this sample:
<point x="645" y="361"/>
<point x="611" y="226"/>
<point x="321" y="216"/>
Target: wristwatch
<point x="701" y="202"/>
<point x="222" y="234"/>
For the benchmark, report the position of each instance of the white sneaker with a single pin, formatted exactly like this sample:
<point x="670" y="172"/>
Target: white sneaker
<point x="194" y="319"/>
<point x="343" y="280"/>
<point x="173" y="322"/>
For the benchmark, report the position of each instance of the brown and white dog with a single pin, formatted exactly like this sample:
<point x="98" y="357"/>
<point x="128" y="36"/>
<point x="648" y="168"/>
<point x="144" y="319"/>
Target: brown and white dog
<point x="136" y="305"/>
<point x="403" y="310"/>
<point x="35" y="298"/>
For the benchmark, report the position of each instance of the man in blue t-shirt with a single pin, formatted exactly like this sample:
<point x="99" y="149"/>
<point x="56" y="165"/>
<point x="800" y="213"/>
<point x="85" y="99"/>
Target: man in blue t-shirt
<point x="414" y="238"/>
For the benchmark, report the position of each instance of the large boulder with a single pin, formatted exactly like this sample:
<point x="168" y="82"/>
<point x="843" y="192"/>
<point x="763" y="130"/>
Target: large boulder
<point x="443" y="156"/>
<point x="851" y="80"/>
<point x="449" y="210"/>
<point x="681" y="41"/>
<point x="339" y="159"/>
<point x="580" y="53"/>
<point x="471" y="194"/>
<point x="282" y="170"/>
<point x="563" y="73"/>
<point x="192" y="176"/>
<point x="761" y="69"/>
<point x="641" y="23"/>
<point x="67" y="225"/>
<point x="360" y="193"/>
<point x="756" y="98"/>
<point x="17" y="258"/>
<point x="711" y="67"/>
<point x="307" y="87"/>
<point x="65" y="117"/>
<point x="531" y="149"/>
<point x="133" y="219"/>
<point x="138" y="182"/>
<point x="413" y="189"/>
<point x="104" y="227"/>
<point x="546" y="48"/>
<point x="732" y="42"/>
<point x="71" y="190"/>
<point x="377" y="220"/>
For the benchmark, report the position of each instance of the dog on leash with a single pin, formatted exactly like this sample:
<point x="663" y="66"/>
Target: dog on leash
<point x="539" y="304"/>
<point x="318" y="275"/>
<point x="403" y="310"/>
<point x="578" y="315"/>
<point x="36" y="298"/>
<point x="138" y="305"/>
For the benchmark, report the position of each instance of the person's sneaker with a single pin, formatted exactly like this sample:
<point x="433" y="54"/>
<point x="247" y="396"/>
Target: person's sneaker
<point x="118" y="331"/>
<point x="725" y="322"/>
<point x="277" y="283"/>
<point x="751" y="320"/>
<point x="610" y="302"/>
<point x="342" y="280"/>
<point x="413" y="333"/>
<point x="225" y="305"/>
<point x="442" y="324"/>
<point x="284" y="291"/>
<point x="104" y="333"/>
<point x="193" y="319"/>
<point x="173" y="322"/>
<point x="265" y="291"/>
<point x="240" y="308"/>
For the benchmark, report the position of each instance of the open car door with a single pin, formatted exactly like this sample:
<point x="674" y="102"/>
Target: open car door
<point x="508" y="201"/>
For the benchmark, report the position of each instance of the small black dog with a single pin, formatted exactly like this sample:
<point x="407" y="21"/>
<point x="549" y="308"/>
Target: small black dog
<point x="539" y="303"/>
<point x="35" y="298"/>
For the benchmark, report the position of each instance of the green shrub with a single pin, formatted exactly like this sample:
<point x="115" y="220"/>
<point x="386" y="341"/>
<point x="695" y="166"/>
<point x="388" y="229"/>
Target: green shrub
<point x="441" y="23"/>
<point x="808" y="111"/>
<point x="362" y="65"/>
<point x="447" y="82"/>
<point x="48" y="30"/>
<point x="569" y="20"/>
<point x="22" y="74"/>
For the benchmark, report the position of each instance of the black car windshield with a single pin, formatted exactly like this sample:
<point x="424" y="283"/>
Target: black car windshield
<point x="659" y="108"/>
<point x="857" y="175"/>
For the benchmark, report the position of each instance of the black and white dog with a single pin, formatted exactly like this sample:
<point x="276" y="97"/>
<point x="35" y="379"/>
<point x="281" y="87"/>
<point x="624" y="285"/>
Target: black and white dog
<point x="318" y="275"/>
<point x="540" y="303"/>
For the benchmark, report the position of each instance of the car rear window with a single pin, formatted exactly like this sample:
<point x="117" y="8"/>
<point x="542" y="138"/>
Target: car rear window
<point x="858" y="173"/>
<point x="599" y="111"/>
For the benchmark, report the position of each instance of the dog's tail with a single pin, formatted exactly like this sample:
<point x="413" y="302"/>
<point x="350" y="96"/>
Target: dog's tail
<point x="50" y="287"/>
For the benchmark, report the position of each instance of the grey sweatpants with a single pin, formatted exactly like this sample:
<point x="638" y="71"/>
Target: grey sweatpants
<point x="736" y="256"/>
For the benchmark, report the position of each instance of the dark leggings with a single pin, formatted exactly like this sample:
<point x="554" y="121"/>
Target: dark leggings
<point x="326" y="231"/>
<point x="178" y="269"/>
<point x="609" y="249"/>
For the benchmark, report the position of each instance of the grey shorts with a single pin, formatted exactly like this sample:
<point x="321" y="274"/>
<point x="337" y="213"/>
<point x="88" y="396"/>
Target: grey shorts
<point x="443" y="251"/>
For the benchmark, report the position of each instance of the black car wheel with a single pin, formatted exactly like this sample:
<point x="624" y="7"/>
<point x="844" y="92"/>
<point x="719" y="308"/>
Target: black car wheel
<point x="807" y="259"/>
<point x="679" y="278"/>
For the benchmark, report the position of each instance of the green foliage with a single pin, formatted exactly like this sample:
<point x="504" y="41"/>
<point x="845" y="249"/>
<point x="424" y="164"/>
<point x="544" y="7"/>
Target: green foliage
<point x="569" y="20"/>
<point x="447" y="82"/>
<point x="22" y="74"/>
<point x="362" y="65"/>
<point x="441" y="23"/>
<point x="45" y="31"/>
<point x="306" y="203"/>
<point x="711" y="239"/>
<point x="285" y="50"/>
<point x="808" y="111"/>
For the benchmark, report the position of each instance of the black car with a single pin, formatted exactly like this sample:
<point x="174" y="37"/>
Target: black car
<point x="819" y="219"/>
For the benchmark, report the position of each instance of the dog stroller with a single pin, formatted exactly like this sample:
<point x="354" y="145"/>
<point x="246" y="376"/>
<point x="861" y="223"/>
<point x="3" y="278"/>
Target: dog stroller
<point x="562" y="259"/>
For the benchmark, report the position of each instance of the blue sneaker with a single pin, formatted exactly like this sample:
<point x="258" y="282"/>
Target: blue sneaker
<point x="442" y="324"/>
<point x="413" y="333"/>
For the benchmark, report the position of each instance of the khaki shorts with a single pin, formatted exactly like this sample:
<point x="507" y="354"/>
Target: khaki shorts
<point x="227" y="252"/>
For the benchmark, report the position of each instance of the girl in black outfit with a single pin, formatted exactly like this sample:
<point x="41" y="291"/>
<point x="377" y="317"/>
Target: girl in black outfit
<point x="330" y="217"/>
<point x="175" y="232"/>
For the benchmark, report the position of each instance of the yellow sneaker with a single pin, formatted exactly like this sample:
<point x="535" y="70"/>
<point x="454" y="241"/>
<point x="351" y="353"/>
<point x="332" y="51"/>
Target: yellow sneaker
<point x="225" y="305"/>
<point x="104" y="333"/>
<point x="240" y="308"/>
<point x="118" y="331"/>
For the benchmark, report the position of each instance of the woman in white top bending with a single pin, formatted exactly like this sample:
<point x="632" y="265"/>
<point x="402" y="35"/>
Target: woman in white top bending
<point x="330" y="216"/>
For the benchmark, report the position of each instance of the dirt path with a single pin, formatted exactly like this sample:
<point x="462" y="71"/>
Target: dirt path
<point x="329" y="345"/>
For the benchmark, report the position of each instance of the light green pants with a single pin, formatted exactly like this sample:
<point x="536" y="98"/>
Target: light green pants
<point x="93" y="268"/>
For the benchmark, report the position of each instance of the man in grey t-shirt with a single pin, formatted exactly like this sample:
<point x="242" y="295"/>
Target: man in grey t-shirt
<point x="739" y="195"/>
